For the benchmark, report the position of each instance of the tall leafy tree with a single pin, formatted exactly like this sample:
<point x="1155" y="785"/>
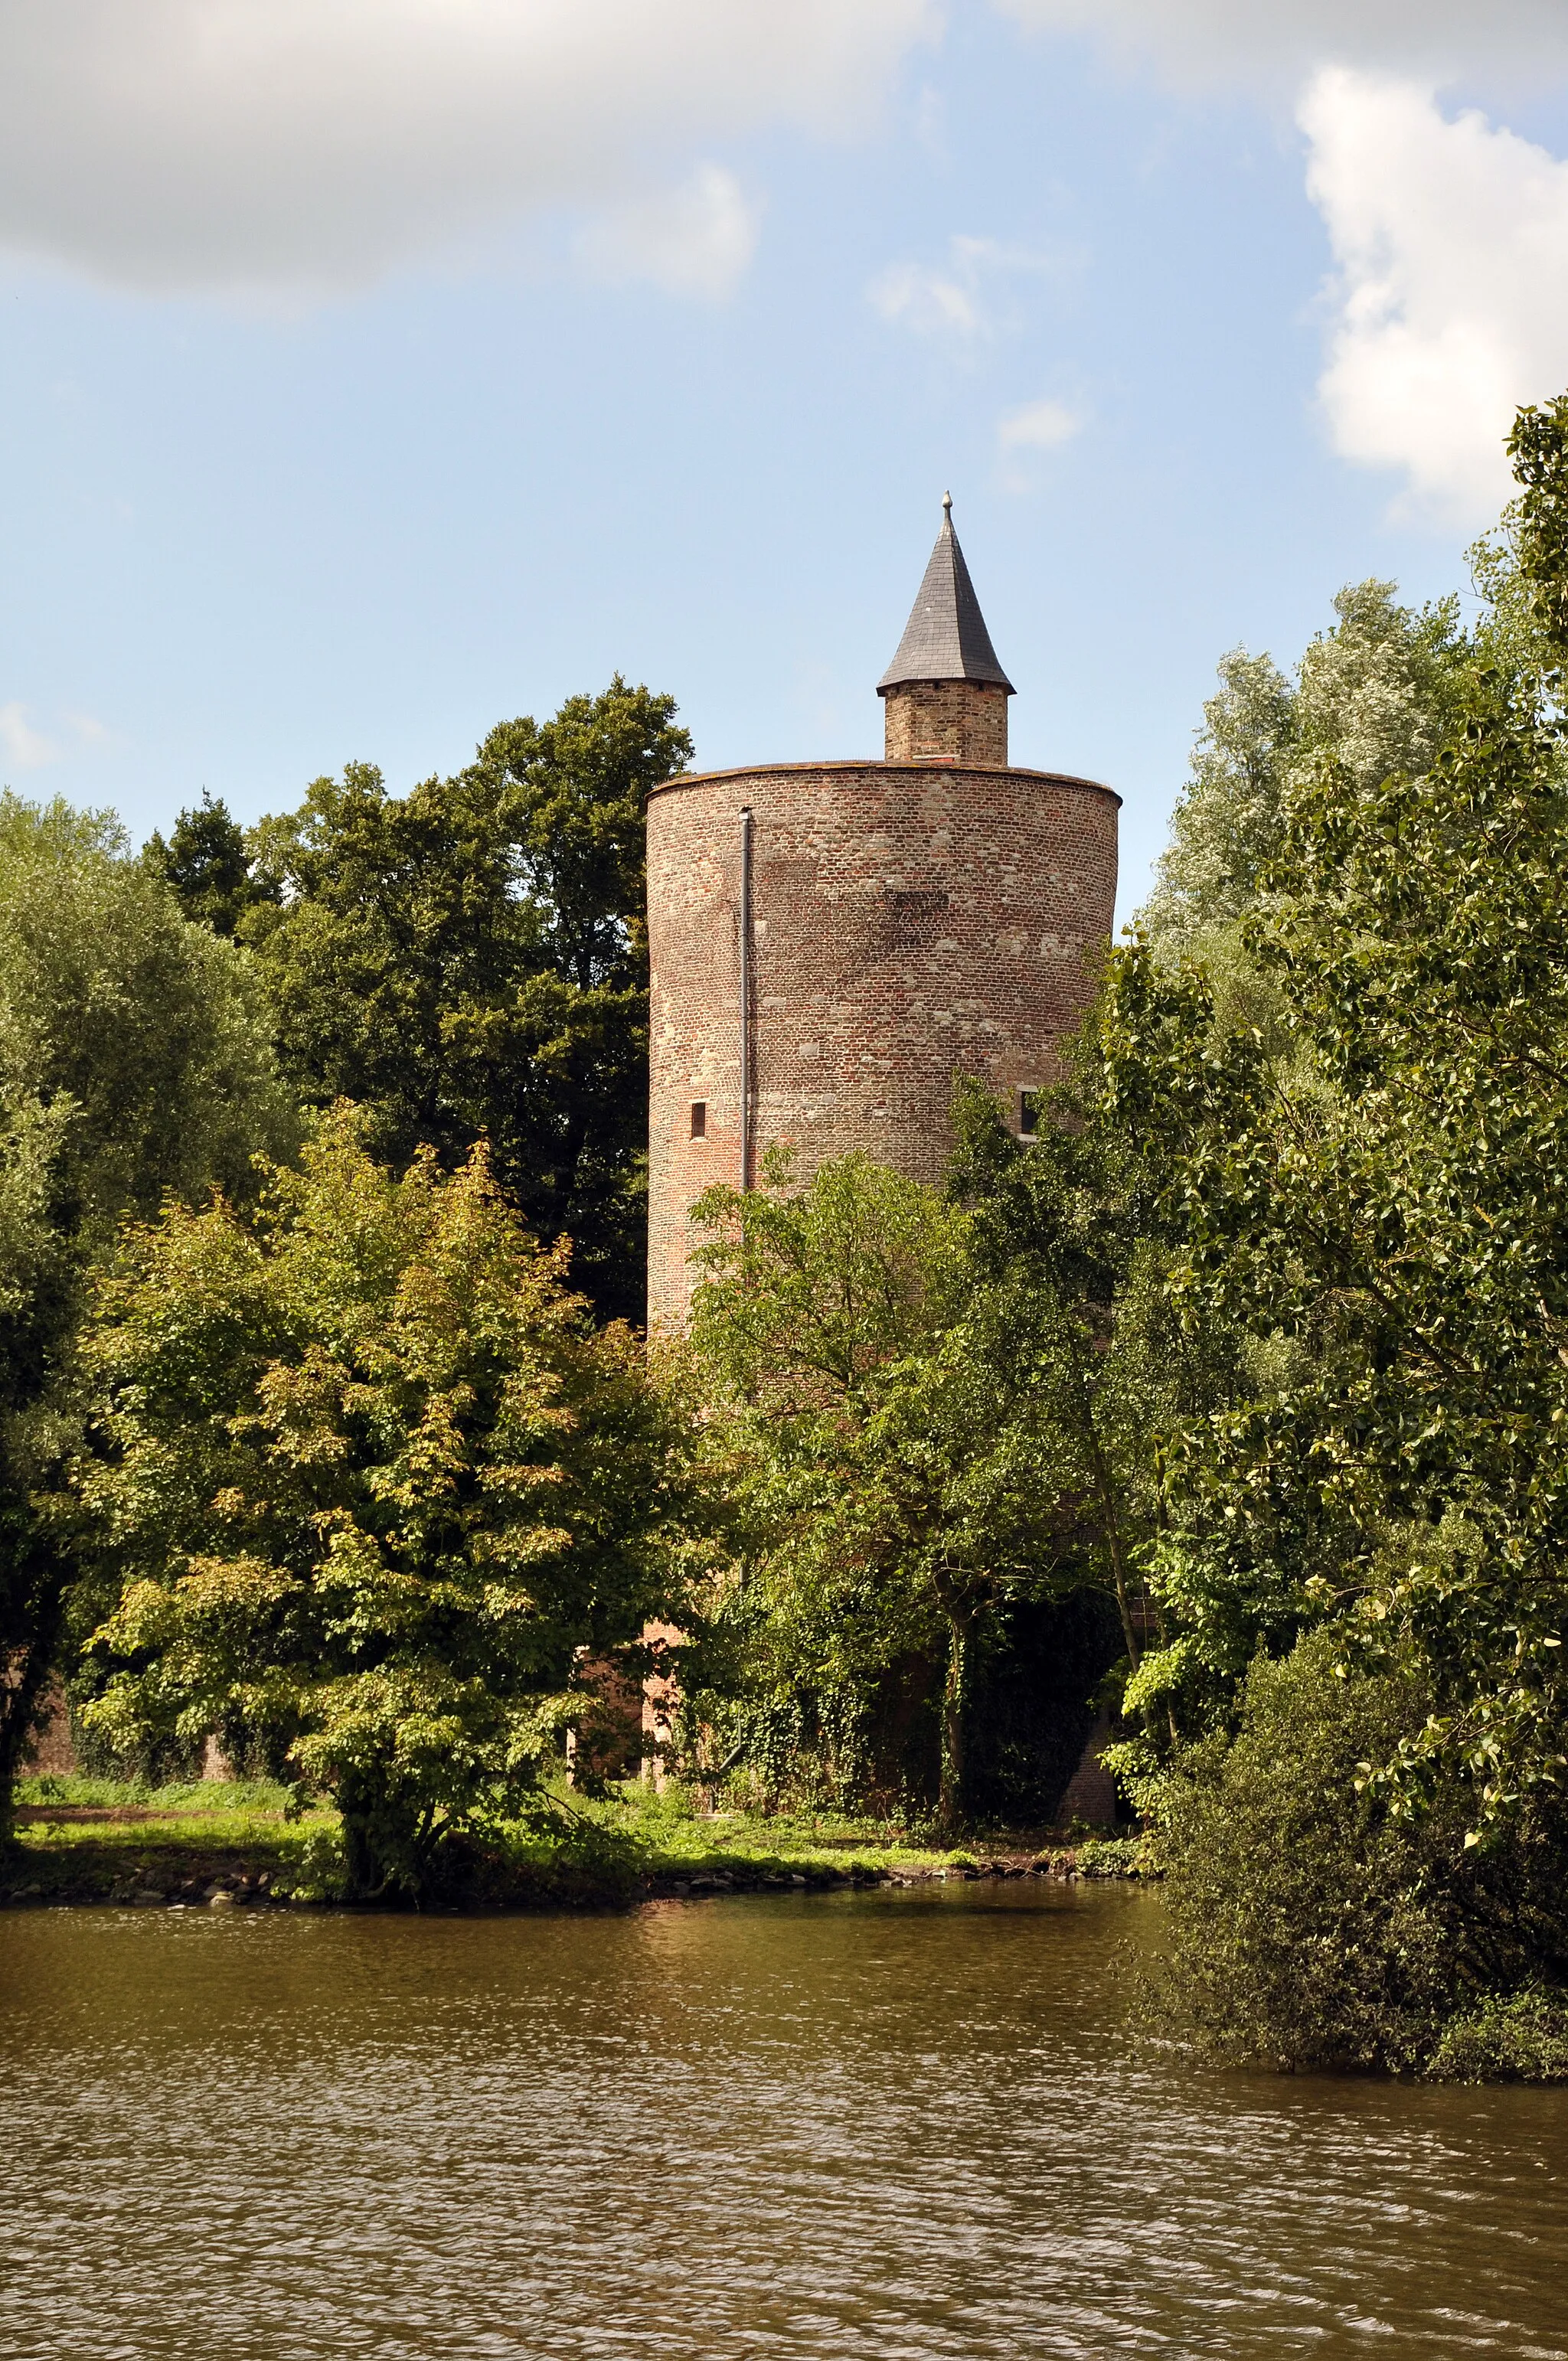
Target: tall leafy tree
<point x="207" y="867"/>
<point x="1072" y="1305"/>
<point x="1380" y="1211"/>
<point x="470" y="962"/>
<point x="901" y="1421"/>
<point x="1227" y="822"/>
<point x="361" y="1484"/>
<point x="134" y="1065"/>
<point x="1378" y="694"/>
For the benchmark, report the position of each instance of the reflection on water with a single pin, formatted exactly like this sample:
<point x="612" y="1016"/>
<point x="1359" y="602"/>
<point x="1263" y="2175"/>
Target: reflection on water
<point x="878" y="2124"/>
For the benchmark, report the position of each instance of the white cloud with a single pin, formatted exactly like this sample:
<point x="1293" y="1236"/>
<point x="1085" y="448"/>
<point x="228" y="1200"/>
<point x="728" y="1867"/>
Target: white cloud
<point x="1450" y="237"/>
<point x="1038" y="426"/>
<point x="21" y="745"/>
<point x="932" y="302"/>
<point x="964" y="299"/>
<point x="1023" y="433"/>
<point x="1451" y="299"/>
<point x="1231" y="40"/>
<point x="694" y="240"/>
<point x="282" y="144"/>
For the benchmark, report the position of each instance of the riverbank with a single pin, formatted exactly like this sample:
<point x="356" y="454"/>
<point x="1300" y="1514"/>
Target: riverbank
<point x="222" y="1844"/>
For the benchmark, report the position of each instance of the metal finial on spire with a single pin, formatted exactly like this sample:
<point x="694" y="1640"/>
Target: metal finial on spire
<point x="947" y="506"/>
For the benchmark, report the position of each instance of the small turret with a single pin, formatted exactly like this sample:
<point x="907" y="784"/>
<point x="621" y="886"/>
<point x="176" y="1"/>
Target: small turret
<point x="945" y="694"/>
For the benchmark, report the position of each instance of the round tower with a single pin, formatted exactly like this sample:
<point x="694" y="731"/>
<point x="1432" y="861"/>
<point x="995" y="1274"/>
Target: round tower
<point x="831" y="943"/>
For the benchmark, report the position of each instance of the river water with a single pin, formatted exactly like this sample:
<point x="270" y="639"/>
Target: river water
<point x="834" y="2125"/>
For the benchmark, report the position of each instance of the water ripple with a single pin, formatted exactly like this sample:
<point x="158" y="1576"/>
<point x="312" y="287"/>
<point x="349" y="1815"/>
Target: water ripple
<point x="805" y="2128"/>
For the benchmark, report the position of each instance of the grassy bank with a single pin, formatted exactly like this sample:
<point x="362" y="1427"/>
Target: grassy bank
<point x="82" y="1840"/>
<point x="97" y="1840"/>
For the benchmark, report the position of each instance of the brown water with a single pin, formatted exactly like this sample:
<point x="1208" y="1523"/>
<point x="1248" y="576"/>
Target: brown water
<point x="862" y="2124"/>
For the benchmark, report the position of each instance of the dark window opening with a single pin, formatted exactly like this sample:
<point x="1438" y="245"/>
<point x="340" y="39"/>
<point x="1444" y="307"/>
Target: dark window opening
<point x="699" y="1118"/>
<point x="1030" y="1107"/>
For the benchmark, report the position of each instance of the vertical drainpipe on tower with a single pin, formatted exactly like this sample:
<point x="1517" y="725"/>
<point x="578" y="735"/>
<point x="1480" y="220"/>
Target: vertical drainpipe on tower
<point x="745" y="998"/>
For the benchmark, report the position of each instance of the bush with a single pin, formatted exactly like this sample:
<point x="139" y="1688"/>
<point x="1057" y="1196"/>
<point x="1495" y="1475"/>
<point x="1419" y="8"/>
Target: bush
<point x="1524" y="2039"/>
<point x="1311" y="1926"/>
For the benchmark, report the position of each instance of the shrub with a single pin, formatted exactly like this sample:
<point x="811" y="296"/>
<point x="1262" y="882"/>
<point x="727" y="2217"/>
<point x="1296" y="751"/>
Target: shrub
<point x="1524" y="2039"/>
<point x="1315" y="1925"/>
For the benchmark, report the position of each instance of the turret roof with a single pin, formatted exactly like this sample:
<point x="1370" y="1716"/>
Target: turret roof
<point x="945" y="638"/>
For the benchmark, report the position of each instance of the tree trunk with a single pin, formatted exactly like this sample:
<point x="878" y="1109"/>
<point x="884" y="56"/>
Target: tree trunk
<point x="364" y="1863"/>
<point x="950" y="1791"/>
<point x="26" y="1659"/>
<point x="361" y="1870"/>
<point x="1107" y="1494"/>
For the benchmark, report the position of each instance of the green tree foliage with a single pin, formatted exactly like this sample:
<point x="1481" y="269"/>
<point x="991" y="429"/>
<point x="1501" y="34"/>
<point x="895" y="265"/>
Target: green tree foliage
<point x="1226" y="825"/>
<point x="1312" y="1927"/>
<point x="1376" y="695"/>
<point x="1379" y="1214"/>
<point x="361" y="1485"/>
<point x="1539" y="520"/>
<point x="818" y="1311"/>
<point x="206" y="866"/>
<point x="1072" y="1307"/>
<point x="470" y="962"/>
<point x="134" y="1064"/>
<point x="910" y="1433"/>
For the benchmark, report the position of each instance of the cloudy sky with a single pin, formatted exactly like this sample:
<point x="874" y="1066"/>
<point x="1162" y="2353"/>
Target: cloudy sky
<point x="371" y="370"/>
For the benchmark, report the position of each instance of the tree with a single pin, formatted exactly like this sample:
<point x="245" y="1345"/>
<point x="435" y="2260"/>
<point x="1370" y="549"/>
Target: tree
<point x="470" y="962"/>
<point x="1072" y="1307"/>
<point x="1376" y="694"/>
<point x="1226" y="823"/>
<point x="889" y="1450"/>
<point x="135" y="1064"/>
<point x="361" y="1486"/>
<point x="207" y="868"/>
<point x="1380" y="1212"/>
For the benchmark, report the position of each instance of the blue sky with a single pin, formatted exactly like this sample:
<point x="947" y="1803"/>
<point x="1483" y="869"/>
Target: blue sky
<point x="371" y="370"/>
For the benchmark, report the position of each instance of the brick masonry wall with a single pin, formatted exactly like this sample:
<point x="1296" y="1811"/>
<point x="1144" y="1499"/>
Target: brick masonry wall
<point x="947" y="721"/>
<point x="910" y="921"/>
<point x="52" y="1749"/>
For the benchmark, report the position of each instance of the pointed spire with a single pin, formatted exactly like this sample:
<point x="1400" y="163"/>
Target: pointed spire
<point x="945" y="638"/>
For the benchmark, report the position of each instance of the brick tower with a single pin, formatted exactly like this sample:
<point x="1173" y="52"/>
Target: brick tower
<point x="832" y="942"/>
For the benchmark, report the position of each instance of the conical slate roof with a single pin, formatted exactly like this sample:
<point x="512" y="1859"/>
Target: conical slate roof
<point x="945" y="638"/>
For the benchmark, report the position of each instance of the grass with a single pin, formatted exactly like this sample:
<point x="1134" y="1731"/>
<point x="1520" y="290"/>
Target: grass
<point x="81" y="1839"/>
<point x="194" y="1811"/>
<point x="678" y="1834"/>
<point x="103" y="1837"/>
